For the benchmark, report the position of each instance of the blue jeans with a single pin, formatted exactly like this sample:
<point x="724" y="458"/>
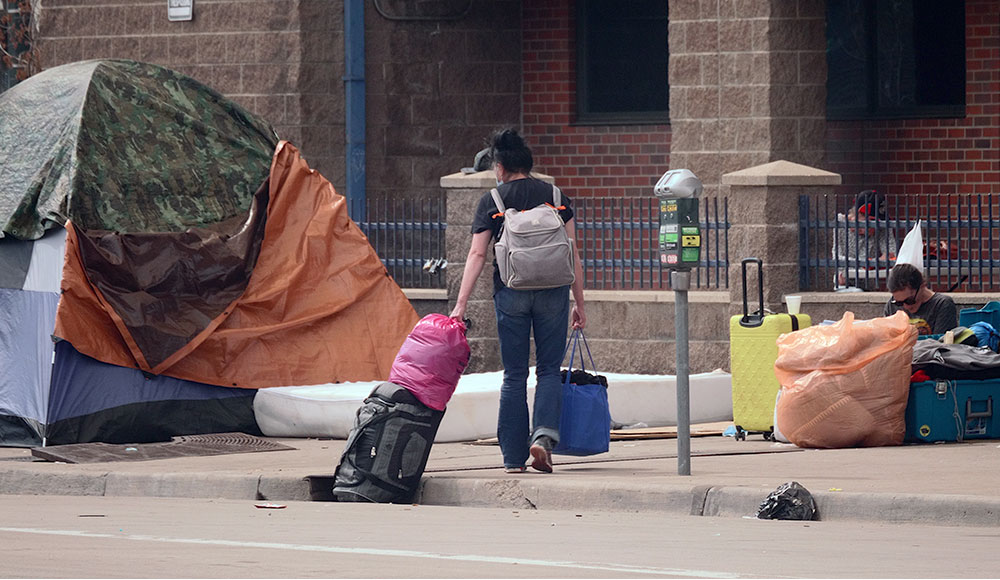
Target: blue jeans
<point x="518" y="313"/>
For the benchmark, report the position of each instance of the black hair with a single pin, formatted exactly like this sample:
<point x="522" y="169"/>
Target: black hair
<point x="873" y="202"/>
<point x="904" y="276"/>
<point x="508" y="149"/>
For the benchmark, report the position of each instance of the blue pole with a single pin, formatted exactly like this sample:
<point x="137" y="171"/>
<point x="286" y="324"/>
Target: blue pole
<point x="354" y="88"/>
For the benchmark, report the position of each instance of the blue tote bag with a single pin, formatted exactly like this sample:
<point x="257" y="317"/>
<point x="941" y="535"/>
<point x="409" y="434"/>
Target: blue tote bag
<point x="585" y="422"/>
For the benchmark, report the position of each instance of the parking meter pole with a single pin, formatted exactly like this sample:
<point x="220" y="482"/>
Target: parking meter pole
<point x="680" y="250"/>
<point x="680" y="281"/>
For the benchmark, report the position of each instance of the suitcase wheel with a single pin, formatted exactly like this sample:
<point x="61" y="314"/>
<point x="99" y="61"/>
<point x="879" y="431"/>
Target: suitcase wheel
<point x="741" y="435"/>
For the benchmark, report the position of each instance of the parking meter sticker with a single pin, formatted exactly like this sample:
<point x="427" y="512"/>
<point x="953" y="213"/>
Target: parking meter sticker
<point x="691" y="241"/>
<point x="672" y="259"/>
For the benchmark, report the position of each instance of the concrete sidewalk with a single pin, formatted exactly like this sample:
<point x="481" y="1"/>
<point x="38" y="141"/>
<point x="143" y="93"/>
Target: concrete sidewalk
<point x="947" y="484"/>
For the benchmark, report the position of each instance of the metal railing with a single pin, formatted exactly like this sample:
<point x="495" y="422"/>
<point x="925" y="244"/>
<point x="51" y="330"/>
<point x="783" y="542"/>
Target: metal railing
<point x="618" y="241"/>
<point x="619" y="244"/>
<point x="408" y="234"/>
<point x="961" y="235"/>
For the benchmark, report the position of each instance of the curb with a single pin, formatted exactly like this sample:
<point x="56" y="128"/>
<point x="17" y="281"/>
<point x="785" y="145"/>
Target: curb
<point x="518" y="494"/>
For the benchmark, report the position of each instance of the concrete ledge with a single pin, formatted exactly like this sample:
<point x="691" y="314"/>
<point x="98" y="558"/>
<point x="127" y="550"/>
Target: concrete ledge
<point x="425" y="293"/>
<point x="781" y="172"/>
<point x="943" y="510"/>
<point x="733" y="501"/>
<point x="480" y="180"/>
<point x="521" y="493"/>
<point x="528" y="492"/>
<point x="34" y="483"/>
<point x="193" y="485"/>
<point x="284" y="489"/>
<point x="699" y="296"/>
<point x="962" y="299"/>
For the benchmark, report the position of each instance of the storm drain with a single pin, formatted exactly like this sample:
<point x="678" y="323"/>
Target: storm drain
<point x="181" y="446"/>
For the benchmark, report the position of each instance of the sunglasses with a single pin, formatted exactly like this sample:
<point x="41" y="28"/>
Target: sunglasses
<point x="909" y="301"/>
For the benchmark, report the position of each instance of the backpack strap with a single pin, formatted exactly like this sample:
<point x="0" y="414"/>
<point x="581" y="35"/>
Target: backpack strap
<point x="497" y="200"/>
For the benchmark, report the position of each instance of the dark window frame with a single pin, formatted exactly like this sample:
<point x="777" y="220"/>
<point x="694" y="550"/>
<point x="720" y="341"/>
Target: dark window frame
<point x="872" y="109"/>
<point x="584" y="114"/>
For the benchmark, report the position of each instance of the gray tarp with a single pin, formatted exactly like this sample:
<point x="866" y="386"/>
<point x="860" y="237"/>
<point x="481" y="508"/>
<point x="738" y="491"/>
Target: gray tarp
<point x="955" y="361"/>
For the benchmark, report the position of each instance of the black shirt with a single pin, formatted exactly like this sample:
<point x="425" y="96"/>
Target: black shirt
<point x="520" y="194"/>
<point x="936" y="316"/>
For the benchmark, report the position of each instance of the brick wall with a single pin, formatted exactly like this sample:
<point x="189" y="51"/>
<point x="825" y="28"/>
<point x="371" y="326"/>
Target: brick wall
<point x="586" y="161"/>
<point x="933" y="156"/>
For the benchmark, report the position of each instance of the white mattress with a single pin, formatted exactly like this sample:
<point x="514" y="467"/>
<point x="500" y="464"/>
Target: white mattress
<point x="328" y="410"/>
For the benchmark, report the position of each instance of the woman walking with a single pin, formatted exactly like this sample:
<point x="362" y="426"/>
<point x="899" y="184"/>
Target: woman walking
<point x="519" y="312"/>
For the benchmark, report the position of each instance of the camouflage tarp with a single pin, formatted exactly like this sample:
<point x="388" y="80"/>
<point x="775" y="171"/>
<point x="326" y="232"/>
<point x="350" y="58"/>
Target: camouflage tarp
<point x="125" y="146"/>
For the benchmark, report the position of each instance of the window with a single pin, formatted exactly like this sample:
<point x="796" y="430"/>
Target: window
<point x="621" y="73"/>
<point x="895" y="59"/>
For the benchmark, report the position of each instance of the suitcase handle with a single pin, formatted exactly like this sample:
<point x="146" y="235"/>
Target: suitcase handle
<point x="981" y="415"/>
<point x="758" y="318"/>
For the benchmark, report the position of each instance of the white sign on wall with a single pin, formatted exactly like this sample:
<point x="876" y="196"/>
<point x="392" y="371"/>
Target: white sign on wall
<point x="180" y="10"/>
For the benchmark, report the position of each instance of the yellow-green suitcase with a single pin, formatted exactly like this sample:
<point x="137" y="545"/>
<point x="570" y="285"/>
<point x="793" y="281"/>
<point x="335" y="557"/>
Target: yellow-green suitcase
<point x="753" y="349"/>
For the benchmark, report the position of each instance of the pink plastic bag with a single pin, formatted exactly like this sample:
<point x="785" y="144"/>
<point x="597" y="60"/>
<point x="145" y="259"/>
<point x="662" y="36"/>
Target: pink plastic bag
<point x="432" y="359"/>
<point x="846" y="384"/>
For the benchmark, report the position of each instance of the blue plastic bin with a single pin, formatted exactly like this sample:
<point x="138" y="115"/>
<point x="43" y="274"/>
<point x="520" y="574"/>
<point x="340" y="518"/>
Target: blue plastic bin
<point x="952" y="410"/>
<point x="989" y="313"/>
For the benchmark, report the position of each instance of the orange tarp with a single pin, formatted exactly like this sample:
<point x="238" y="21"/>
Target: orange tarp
<point x="319" y="306"/>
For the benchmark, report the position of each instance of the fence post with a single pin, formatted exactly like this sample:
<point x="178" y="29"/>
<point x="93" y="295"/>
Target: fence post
<point x="764" y="223"/>
<point x="462" y="193"/>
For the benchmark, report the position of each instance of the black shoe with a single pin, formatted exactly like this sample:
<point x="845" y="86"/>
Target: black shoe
<point x="541" y="454"/>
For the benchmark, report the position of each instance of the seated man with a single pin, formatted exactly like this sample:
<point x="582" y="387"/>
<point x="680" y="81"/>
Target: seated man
<point x="931" y="312"/>
<point x="861" y="236"/>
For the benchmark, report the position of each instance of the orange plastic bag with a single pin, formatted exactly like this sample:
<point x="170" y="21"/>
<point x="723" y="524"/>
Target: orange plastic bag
<point x="846" y="384"/>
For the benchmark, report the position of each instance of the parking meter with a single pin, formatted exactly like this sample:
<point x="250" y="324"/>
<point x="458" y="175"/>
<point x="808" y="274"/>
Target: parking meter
<point x="680" y="250"/>
<point x="680" y="230"/>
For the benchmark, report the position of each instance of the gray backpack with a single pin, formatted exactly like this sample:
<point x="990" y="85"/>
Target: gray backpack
<point x="534" y="251"/>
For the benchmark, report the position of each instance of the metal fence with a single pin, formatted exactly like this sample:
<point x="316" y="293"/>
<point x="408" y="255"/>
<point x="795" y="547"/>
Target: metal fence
<point x="618" y="241"/>
<point x="961" y="235"/>
<point x="408" y="234"/>
<point x="619" y="244"/>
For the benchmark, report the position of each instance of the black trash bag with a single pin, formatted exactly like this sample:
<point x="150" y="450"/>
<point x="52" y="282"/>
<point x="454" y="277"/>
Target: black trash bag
<point x="582" y="377"/>
<point x="790" y="501"/>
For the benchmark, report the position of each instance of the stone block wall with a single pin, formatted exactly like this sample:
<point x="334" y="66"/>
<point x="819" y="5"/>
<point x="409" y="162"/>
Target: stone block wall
<point x="280" y="59"/>
<point x="747" y="85"/>
<point x="435" y="87"/>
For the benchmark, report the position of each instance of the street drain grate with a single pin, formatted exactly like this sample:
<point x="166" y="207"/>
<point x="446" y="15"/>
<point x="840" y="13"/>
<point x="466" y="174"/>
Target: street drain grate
<point x="181" y="446"/>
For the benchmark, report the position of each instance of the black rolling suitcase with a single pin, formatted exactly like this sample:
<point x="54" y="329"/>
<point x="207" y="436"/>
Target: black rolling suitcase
<point x="387" y="449"/>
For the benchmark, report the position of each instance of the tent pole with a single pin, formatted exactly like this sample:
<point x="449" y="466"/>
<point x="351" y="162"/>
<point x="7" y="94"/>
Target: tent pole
<point x="354" y="85"/>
